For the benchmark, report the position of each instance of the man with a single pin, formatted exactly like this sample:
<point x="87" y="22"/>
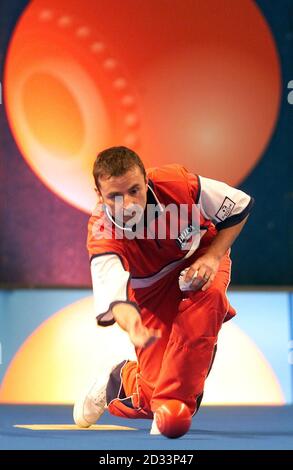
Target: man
<point x="162" y="275"/>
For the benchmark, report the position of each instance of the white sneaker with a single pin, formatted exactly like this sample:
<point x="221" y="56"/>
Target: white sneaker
<point x="89" y="408"/>
<point x="154" y="429"/>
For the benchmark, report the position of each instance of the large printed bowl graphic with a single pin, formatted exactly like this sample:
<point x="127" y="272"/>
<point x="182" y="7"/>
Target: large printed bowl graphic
<point x="197" y="83"/>
<point x="57" y="361"/>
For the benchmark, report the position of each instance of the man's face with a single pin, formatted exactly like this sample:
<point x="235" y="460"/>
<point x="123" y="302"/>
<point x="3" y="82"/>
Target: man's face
<point x="125" y="195"/>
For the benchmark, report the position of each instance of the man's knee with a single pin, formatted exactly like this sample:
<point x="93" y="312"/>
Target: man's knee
<point x="203" y="313"/>
<point x="214" y="297"/>
<point x="217" y="296"/>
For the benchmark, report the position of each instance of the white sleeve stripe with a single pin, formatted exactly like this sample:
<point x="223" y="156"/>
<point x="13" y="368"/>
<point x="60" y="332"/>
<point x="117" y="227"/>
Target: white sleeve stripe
<point x="110" y="283"/>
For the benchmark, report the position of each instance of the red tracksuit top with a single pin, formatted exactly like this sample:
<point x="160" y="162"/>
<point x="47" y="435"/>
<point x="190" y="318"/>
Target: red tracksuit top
<point x="126" y="269"/>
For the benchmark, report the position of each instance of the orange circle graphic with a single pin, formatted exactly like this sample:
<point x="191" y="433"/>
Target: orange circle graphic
<point x="198" y="84"/>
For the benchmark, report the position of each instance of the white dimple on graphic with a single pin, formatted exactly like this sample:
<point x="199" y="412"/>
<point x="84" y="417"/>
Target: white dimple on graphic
<point x="64" y="21"/>
<point x="110" y="64"/>
<point x="97" y="47"/>
<point x="83" y="32"/>
<point x="46" y="15"/>
<point x="131" y="120"/>
<point x="127" y="100"/>
<point x="120" y="83"/>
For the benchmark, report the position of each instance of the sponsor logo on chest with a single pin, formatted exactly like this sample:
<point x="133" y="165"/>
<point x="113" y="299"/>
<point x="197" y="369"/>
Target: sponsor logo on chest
<point x="184" y="237"/>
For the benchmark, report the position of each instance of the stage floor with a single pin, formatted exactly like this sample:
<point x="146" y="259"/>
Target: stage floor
<point x="213" y="428"/>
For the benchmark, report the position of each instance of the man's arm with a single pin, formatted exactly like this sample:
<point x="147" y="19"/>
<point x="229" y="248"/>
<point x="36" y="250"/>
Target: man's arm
<point x="115" y="300"/>
<point x="128" y="318"/>
<point x="224" y="239"/>
<point x="205" y="268"/>
<point x="228" y="208"/>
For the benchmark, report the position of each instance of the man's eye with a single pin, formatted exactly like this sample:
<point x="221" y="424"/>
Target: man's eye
<point x="133" y="191"/>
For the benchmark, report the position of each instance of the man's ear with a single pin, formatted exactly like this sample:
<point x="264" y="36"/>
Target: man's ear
<point x="99" y="195"/>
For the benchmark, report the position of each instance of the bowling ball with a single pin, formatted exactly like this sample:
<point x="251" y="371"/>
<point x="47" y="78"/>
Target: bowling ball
<point x="173" y="418"/>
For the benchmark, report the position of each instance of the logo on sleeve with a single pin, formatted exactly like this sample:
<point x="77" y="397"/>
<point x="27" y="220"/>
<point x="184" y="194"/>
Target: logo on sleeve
<point x="225" y="209"/>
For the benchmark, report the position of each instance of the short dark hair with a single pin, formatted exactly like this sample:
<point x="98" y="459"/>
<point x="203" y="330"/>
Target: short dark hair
<point x="116" y="161"/>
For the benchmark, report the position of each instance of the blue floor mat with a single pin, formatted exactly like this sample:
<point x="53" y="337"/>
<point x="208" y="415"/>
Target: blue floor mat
<point x="226" y="428"/>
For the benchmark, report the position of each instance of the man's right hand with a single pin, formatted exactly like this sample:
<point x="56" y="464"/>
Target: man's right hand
<point x="141" y="336"/>
<point x="129" y="320"/>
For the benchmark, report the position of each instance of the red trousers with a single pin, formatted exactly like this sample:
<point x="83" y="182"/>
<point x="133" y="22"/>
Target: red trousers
<point x="176" y="365"/>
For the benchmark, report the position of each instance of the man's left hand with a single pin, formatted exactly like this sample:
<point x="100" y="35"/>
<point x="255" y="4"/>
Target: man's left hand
<point x="202" y="272"/>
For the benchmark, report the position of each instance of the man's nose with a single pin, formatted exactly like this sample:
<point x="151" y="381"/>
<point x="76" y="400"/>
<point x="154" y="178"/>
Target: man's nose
<point x="127" y="201"/>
